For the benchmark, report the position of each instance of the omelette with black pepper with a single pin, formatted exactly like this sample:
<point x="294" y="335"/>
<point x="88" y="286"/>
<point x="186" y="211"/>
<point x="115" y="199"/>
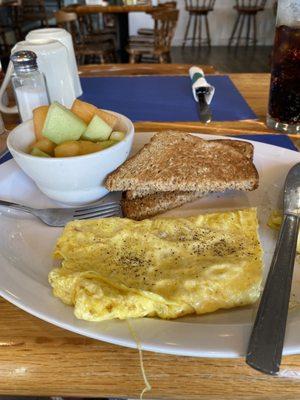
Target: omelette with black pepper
<point x="166" y="267"/>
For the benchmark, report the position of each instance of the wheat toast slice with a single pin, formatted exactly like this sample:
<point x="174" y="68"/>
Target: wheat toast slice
<point x="174" y="161"/>
<point x="156" y="203"/>
<point x="244" y="148"/>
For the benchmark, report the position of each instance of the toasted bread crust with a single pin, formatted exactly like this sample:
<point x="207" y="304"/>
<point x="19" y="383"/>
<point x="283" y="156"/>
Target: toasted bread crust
<point x="244" y="148"/>
<point x="156" y="203"/>
<point x="174" y="161"/>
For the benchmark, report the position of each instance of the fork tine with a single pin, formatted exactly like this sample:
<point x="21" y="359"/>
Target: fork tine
<point x="104" y="214"/>
<point x="103" y="207"/>
<point x="93" y="206"/>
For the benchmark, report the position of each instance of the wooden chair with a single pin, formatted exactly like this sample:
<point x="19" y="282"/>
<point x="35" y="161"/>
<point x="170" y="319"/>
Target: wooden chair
<point x="198" y="11"/>
<point x="167" y="5"/>
<point x="4" y="46"/>
<point x="159" y="50"/>
<point x="34" y="11"/>
<point x="104" y="50"/>
<point x="9" y="23"/>
<point x="94" y="29"/>
<point x="247" y="11"/>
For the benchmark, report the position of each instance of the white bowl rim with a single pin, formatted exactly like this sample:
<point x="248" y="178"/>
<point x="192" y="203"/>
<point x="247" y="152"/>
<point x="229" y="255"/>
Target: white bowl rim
<point x="69" y="159"/>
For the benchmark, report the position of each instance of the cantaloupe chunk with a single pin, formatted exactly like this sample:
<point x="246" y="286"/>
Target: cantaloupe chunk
<point x="110" y="119"/>
<point x="86" y="111"/>
<point x="83" y="110"/>
<point x="45" y="145"/>
<point x="39" y="117"/>
<point x="67" y="149"/>
<point x="87" y="147"/>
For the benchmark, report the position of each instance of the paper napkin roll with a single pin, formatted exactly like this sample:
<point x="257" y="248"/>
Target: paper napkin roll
<point x="198" y="80"/>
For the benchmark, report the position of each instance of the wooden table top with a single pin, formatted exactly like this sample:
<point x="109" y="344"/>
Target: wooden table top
<point x="94" y="9"/>
<point x="37" y="358"/>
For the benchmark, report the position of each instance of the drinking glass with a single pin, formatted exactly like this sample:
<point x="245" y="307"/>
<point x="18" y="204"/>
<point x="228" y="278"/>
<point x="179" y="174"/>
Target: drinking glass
<point x="284" y="99"/>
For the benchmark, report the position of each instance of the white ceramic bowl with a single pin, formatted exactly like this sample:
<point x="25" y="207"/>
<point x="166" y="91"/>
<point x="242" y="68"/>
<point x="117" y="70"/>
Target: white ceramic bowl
<point x="71" y="180"/>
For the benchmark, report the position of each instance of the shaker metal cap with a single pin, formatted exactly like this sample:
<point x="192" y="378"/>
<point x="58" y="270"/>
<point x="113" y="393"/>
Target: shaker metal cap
<point x="24" y="61"/>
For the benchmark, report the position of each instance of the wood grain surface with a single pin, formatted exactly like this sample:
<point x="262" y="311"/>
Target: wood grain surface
<point x="37" y="358"/>
<point x="94" y="9"/>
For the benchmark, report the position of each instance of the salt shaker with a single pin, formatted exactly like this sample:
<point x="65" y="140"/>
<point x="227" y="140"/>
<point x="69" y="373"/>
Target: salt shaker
<point x="28" y="83"/>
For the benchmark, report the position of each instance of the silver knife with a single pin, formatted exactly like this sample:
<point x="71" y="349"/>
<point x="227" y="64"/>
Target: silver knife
<point x="267" y="337"/>
<point x="203" y="93"/>
<point x="204" y="109"/>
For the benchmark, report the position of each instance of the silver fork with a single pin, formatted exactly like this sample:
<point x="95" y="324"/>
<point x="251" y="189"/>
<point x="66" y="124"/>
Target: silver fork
<point x="60" y="216"/>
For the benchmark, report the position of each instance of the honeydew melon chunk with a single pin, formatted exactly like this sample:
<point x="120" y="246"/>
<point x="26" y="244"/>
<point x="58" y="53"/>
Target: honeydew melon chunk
<point x="117" y="135"/>
<point x="108" y="143"/>
<point x="38" y="153"/>
<point x="97" y="130"/>
<point x="62" y="125"/>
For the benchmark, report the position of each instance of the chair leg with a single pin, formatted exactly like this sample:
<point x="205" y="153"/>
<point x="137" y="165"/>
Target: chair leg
<point x="240" y="30"/>
<point x="102" y="59"/>
<point x="113" y="56"/>
<point x="199" y="30"/>
<point x="234" y="29"/>
<point x="207" y="31"/>
<point x="161" y="59"/>
<point x="248" y="30"/>
<point x="187" y="30"/>
<point x="254" y="30"/>
<point x="195" y="30"/>
<point x="168" y="58"/>
<point x="132" y="58"/>
<point x="4" y="41"/>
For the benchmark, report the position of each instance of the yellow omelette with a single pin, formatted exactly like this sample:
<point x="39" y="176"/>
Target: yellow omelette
<point x="165" y="267"/>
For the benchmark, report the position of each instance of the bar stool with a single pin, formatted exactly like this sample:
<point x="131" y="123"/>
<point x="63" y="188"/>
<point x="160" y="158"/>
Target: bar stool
<point x="198" y="14"/>
<point x="247" y="11"/>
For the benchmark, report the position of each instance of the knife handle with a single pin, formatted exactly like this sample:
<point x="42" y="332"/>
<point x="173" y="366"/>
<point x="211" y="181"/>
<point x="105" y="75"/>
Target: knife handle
<point x="198" y="81"/>
<point x="267" y="337"/>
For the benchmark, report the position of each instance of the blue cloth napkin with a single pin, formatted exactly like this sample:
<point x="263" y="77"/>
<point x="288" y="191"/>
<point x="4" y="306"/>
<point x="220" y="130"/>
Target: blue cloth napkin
<point x="164" y="98"/>
<point x="277" y="140"/>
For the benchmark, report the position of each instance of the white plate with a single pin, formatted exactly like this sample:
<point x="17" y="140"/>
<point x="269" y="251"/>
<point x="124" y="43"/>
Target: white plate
<point x="25" y="260"/>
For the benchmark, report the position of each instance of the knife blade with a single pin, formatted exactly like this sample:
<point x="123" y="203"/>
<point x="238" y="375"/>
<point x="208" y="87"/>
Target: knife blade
<point x="266" y="341"/>
<point x="205" y="113"/>
<point x="203" y="93"/>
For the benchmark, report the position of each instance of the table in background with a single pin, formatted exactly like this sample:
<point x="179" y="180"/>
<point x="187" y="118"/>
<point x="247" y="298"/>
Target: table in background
<point x="121" y="13"/>
<point x="40" y="359"/>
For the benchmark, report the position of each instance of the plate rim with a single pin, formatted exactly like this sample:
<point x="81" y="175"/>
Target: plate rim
<point x="131" y="343"/>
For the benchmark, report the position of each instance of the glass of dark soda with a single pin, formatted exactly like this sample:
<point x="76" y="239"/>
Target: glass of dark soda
<point x="284" y="99"/>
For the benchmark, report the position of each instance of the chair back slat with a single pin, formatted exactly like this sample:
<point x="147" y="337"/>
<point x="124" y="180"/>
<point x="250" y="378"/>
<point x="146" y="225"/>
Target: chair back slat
<point x="32" y="7"/>
<point x="251" y="4"/>
<point x="69" y="21"/>
<point x="199" y="4"/>
<point x="164" y="27"/>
